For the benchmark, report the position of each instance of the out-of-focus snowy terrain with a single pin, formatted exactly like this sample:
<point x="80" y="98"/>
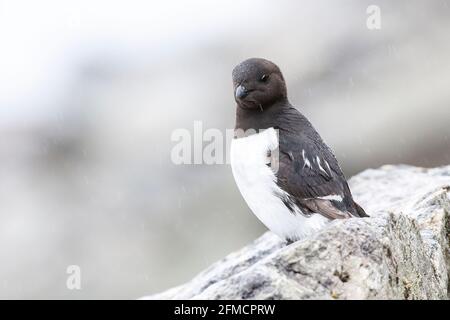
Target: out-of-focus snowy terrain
<point x="90" y="92"/>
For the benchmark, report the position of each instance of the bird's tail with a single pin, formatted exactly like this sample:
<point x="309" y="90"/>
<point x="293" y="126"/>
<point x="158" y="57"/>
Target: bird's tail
<point x="360" y="211"/>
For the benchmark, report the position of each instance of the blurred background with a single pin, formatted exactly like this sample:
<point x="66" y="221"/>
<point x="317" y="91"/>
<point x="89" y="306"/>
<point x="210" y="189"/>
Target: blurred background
<point x="91" y="91"/>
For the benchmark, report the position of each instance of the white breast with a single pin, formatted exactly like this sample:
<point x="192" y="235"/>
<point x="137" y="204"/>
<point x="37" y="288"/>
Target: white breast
<point x="257" y="184"/>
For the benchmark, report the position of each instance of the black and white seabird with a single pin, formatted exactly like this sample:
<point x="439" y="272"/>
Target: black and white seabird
<point x="305" y="188"/>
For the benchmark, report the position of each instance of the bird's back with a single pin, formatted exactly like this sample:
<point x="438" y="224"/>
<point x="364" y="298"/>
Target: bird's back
<point x="314" y="171"/>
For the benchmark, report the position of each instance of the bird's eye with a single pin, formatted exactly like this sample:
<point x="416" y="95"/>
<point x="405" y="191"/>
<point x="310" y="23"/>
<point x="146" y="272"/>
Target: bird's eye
<point x="264" y="78"/>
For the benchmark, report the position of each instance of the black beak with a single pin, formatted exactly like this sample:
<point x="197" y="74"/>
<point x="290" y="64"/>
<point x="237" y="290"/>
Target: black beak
<point x="241" y="92"/>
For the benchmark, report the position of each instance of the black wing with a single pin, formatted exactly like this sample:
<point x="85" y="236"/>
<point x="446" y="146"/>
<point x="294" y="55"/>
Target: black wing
<point x="309" y="172"/>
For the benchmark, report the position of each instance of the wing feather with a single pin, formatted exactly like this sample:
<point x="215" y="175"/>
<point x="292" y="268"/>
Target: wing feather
<point x="309" y="172"/>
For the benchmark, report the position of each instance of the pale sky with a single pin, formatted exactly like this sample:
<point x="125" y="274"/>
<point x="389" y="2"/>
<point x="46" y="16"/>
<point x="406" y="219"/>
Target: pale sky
<point x="42" y="41"/>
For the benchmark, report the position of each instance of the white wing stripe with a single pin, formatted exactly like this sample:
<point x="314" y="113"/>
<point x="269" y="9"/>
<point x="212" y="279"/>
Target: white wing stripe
<point x="320" y="166"/>
<point x="334" y="197"/>
<point x="305" y="160"/>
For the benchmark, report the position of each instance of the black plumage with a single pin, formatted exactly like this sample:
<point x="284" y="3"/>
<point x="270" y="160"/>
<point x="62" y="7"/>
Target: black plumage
<point x="308" y="171"/>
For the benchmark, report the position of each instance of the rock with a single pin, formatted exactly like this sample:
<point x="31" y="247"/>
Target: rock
<point x="400" y="252"/>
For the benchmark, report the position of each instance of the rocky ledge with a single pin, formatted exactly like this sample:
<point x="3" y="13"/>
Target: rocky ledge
<point x="400" y="252"/>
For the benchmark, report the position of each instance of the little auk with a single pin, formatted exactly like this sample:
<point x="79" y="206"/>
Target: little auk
<point x="288" y="176"/>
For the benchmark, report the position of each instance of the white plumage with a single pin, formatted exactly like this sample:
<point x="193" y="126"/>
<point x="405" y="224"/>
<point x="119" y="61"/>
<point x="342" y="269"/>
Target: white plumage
<point x="257" y="183"/>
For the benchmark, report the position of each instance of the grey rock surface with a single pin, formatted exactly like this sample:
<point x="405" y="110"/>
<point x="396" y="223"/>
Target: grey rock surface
<point x="400" y="252"/>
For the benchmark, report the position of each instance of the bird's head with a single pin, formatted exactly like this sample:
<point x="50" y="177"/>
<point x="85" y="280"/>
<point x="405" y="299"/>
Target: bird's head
<point x="258" y="84"/>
